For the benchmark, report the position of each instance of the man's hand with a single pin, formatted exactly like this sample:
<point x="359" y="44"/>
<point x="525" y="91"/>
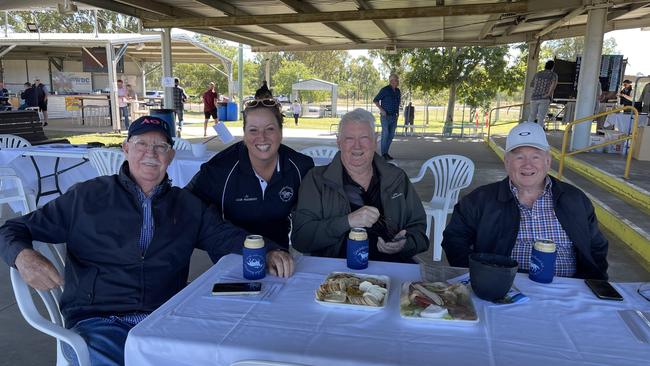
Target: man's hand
<point x="382" y="111"/>
<point x="366" y="216"/>
<point x="37" y="270"/>
<point x="279" y="263"/>
<point x="392" y="247"/>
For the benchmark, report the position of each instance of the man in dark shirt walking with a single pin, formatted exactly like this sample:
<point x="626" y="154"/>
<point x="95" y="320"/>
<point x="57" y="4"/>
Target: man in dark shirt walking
<point x="179" y="98"/>
<point x="388" y="100"/>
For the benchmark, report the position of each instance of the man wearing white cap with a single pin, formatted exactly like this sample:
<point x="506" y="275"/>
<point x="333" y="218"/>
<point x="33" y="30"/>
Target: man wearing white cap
<point x="507" y="217"/>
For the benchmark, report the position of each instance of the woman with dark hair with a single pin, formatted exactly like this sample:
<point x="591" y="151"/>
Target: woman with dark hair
<point x="254" y="183"/>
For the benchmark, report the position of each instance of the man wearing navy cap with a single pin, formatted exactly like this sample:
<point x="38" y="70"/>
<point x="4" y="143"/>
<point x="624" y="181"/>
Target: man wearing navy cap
<point x="508" y="216"/>
<point x="129" y="239"/>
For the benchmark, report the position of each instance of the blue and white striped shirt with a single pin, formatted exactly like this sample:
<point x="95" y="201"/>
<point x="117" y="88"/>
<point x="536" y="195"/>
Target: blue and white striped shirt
<point x="540" y="222"/>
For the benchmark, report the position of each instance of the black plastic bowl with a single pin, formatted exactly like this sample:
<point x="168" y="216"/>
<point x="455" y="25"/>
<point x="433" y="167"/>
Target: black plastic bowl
<point x="491" y="275"/>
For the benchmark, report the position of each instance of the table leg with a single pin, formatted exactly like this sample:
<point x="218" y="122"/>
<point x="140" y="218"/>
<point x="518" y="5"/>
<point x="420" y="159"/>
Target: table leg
<point x="56" y="174"/>
<point x="83" y="117"/>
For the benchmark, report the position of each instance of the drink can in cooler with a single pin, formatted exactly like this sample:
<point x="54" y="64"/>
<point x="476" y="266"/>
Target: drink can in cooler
<point x="254" y="257"/>
<point x="542" y="261"/>
<point x="357" y="248"/>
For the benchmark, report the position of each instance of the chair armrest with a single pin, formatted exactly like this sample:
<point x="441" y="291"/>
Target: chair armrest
<point x="28" y="309"/>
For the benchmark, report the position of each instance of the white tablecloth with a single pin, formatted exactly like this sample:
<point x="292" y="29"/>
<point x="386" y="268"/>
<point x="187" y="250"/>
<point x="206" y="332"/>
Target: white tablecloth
<point x="562" y="324"/>
<point x="180" y="171"/>
<point x="623" y="122"/>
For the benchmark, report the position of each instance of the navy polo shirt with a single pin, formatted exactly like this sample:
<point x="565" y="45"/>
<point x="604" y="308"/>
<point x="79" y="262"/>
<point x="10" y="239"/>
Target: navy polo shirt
<point x="389" y="99"/>
<point x="229" y="181"/>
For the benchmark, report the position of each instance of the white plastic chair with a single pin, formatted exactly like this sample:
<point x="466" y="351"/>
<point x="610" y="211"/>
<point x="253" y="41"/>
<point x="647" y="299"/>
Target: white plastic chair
<point x="12" y="191"/>
<point x="181" y="144"/>
<point x="106" y="161"/>
<point x="451" y="173"/>
<point x="264" y="363"/>
<point x="322" y="155"/>
<point x="55" y="325"/>
<point x="13" y="142"/>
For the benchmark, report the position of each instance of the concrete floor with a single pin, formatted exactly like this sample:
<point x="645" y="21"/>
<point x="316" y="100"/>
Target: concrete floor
<point x="22" y="345"/>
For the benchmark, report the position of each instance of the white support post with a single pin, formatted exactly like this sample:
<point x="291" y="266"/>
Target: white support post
<point x="588" y="79"/>
<point x="166" y="37"/>
<point x="531" y="70"/>
<point x="240" y="75"/>
<point x="112" y="88"/>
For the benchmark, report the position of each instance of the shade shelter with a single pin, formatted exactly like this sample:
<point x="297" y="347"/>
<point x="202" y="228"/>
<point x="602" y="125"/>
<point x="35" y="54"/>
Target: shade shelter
<point x="316" y="84"/>
<point x="59" y="49"/>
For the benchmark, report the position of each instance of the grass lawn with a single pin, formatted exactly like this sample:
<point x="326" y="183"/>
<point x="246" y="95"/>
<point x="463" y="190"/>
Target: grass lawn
<point x="195" y="119"/>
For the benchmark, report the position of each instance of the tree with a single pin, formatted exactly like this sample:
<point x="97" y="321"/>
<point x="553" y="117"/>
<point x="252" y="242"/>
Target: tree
<point x="289" y="73"/>
<point x="476" y="73"/>
<point x="392" y="63"/>
<point x="325" y="65"/>
<point x="363" y="78"/>
<point x="569" y="48"/>
<point x="80" y="22"/>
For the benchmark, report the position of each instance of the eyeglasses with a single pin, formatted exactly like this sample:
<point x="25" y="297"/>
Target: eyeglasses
<point x="159" y="148"/>
<point x="269" y="103"/>
<point x="644" y="291"/>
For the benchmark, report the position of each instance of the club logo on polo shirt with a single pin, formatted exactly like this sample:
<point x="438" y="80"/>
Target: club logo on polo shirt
<point x="286" y="193"/>
<point x="246" y="198"/>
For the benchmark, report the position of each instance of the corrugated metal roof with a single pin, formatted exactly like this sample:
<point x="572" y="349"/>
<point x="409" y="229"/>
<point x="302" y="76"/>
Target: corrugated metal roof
<point x="274" y="25"/>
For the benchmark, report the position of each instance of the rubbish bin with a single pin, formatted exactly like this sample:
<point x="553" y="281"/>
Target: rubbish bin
<point x="232" y="114"/>
<point x="166" y="115"/>
<point x="222" y="111"/>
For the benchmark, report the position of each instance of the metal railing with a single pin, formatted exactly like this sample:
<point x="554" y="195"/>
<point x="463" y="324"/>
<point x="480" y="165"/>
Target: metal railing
<point x="631" y="137"/>
<point x="502" y="124"/>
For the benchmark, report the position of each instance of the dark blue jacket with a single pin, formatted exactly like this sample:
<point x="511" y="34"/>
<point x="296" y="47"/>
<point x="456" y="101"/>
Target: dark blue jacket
<point x="487" y="221"/>
<point x="229" y="182"/>
<point x="106" y="272"/>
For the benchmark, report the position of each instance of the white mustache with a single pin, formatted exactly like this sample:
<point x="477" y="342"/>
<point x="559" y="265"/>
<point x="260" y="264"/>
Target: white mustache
<point x="150" y="162"/>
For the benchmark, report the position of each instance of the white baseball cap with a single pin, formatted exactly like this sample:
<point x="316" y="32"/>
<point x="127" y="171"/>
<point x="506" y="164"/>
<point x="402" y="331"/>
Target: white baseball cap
<point x="527" y="134"/>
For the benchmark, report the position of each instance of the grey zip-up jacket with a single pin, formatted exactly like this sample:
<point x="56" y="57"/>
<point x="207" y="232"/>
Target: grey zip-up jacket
<point x="320" y="222"/>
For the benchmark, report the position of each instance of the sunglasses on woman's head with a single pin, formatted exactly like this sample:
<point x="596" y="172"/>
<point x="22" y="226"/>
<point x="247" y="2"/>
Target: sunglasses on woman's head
<point x="270" y="103"/>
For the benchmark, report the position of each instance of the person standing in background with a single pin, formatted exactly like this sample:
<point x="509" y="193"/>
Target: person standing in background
<point x="297" y="109"/>
<point x="4" y="98"/>
<point x="131" y="96"/>
<point x="388" y="101"/>
<point x="179" y="98"/>
<point x="26" y="97"/>
<point x="41" y="95"/>
<point x="210" y="99"/>
<point x="122" y="96"/>
<point x="625" y="95"/>
<point x="543" y="85"/>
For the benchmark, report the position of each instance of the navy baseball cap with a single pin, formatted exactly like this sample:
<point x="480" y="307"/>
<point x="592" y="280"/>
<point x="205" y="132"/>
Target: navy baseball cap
<point x="146" y="124"/>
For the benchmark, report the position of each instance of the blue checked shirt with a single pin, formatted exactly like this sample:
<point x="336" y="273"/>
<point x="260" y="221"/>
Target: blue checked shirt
<point x="540" y="222"/>
<point x="389" y="99"/>
<point x="146" y="234"/>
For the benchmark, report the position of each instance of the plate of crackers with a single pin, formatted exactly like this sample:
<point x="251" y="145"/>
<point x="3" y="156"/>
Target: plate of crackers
<point x="354" y="290"/>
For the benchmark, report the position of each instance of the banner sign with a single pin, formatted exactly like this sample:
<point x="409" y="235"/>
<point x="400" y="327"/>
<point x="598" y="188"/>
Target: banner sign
<point x="72" y="82"/>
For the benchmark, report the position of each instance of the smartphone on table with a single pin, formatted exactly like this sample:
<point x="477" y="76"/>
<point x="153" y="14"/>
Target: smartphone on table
<point x="236" y="288"/>
<point x="603" y="290"/>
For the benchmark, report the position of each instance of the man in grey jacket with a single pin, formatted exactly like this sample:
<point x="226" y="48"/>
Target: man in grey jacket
<point x="359" y="189"/>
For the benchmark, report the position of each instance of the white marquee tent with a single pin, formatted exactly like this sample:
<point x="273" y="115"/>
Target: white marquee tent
<point x="316" y="84"/>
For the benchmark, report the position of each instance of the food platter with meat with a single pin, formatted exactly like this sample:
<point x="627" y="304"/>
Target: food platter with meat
<point x="437" y="301"/>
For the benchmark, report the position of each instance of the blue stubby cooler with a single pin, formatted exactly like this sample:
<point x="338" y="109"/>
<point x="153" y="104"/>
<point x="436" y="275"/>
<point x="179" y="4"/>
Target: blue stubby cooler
<point x="222" y="111"/>
<point x="254" y="258"/>
<point x="542" y="261"/>
<point x="357" y="249"/>
<point x="231" y="114"/>
<point x="166" y="115"/>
